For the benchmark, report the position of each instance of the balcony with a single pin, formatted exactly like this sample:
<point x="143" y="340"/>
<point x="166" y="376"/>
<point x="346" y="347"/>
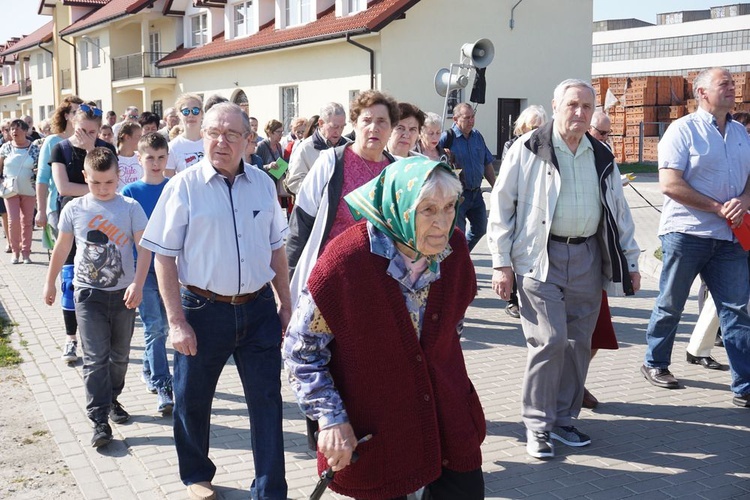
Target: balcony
<point x="140" y="65"/>
<point x="65" y="81"/>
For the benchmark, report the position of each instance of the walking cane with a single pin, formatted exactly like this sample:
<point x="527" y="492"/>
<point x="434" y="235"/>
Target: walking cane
<point x="327" y="475"/>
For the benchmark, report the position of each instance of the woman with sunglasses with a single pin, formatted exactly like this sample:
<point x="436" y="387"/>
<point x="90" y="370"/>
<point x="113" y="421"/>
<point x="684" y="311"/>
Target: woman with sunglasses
<point x="187" y="148"/>
<point x="67" y="173"/>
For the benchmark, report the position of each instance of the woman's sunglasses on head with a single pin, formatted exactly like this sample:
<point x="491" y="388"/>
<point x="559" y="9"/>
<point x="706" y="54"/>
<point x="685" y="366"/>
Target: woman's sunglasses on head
<point x="91" y="110"/>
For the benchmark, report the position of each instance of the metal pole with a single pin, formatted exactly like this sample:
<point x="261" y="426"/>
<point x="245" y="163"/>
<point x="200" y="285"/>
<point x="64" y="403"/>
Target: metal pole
<point x="641" y="128"/>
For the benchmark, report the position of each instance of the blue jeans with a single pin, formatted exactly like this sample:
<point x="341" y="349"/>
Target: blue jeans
<point x="155" y="328"/>
<point x="723" y="265"/>
<point x="251" y="334"/>
<point x="473" y="208"/>
<point x="106" y="327"/>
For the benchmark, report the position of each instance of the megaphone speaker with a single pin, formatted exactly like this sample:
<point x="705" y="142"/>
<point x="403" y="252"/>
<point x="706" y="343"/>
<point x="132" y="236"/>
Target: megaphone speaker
<point x="481" y="52"/>
<point x="445" y="82"/>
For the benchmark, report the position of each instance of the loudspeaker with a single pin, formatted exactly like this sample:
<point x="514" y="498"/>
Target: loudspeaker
<point x="481" y="52"/>
<point x="445" y="82"/>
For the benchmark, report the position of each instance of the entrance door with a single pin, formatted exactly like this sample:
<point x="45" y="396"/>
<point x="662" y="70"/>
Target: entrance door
<point x="507" y="113"/>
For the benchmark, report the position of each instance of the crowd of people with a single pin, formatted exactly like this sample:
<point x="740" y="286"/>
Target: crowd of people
<point x="315" y="249"/>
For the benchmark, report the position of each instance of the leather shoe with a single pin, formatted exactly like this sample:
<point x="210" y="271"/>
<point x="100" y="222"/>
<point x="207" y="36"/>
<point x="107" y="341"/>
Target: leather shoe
<point x="201" y="491"/>
<point x="705" y="361"/>
<point x="743" y="401"/>
<point x="512" y="311"/>
<point x="589" y="401"/>
<point x="660" y="377"/>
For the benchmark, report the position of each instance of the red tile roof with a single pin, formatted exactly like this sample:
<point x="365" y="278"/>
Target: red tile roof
<point x="85" y="3"/>
<point x="13" y="88"/>
<point x="43" y="34"/>
<point x="378" y="15"/>
<point x="112" y="10"/>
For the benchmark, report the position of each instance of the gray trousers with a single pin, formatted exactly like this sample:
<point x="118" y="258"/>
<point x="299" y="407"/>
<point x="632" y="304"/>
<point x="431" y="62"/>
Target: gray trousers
<point x="558" y="317"/>
<point x="106" y="327"/>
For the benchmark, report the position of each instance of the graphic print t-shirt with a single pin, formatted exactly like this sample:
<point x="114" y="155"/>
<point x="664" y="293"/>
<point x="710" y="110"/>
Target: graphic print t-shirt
<point x="184" y="153"/>
<point x="103" y="231"/>
<point x="130" y="170"/>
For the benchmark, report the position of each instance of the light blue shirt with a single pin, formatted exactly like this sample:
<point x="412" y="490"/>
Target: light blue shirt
<point x="44" y="170"/>
<point x="715" y="166"/>
<point x="471" y="154"/>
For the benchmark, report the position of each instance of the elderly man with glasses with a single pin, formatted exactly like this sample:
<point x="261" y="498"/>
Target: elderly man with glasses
<point x="601" y="127"/>
<point x="220" y="303"/>
<point x="130" y="115"/>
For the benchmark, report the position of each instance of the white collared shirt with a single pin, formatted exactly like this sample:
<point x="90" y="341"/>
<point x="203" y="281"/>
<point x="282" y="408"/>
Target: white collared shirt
<point x="222" y="235"/>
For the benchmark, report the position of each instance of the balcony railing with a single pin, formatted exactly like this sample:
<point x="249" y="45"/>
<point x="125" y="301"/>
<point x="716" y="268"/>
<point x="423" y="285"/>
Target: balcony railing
<point x="141" y="65"/>
<point x="26" y="86"/>
<point x="65" y="80"/>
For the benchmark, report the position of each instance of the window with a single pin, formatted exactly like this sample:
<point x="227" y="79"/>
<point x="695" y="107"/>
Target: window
<point x="95" y="48"/>
<point x="199" y="30"/>
<point x="297" y="12"/>
<point x="83" y="54"/>
<point x="50" y="110"/>
<point x="289" y="105"/>
<point x="242" y="18"/>
<point x="354" y="6"/>
<point x="42" y="116"/>
<point x="157" y="108"/>
<point x="47" y="65"/>
<point x="39" y="66"/>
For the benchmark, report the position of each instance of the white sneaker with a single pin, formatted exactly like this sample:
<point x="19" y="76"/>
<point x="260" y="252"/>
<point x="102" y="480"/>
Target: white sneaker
<point x="69" y="354"/>
<point x="538" y="444"/>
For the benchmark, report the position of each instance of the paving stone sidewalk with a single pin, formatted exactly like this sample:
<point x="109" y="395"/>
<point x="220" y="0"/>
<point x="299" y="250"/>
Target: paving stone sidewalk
<point x="647" y="442"/>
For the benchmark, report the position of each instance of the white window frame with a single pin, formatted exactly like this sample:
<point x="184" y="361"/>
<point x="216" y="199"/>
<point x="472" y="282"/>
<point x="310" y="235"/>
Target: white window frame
<point x="289" y="108"/>
<point x="42" y="116"/>
<point x="47" y="65"/>
<point x="298" y="12"/>
<point x="83" y="53"/>
<point x="202" y="30"/>
<point x="246" y="9"/>
<point x="355" y="6"/>
<point x="40" y="65"/>
<point x="95" y="56"/>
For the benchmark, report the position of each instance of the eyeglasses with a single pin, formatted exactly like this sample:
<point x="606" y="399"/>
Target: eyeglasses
<point x="90" y="110"/>
<point x="133" y="117"/>
<point x="186" y="111"/>
<point x="229" y="136"/>
<point x="602" y="132"/>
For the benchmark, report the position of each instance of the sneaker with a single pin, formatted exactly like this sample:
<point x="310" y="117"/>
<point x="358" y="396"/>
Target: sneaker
<point x="15" y="260"/>
<point x="164" y="402"/>
<point x="146" y="379"/>
<point x="538" y="444"/>
<point x="570" y="436"/>
<point x="118" y="414"/>
<point x="512" y="310"/>
<point x="26" y="260"/>
<point x="102" y="435"/>
<point x="69" y="354"/>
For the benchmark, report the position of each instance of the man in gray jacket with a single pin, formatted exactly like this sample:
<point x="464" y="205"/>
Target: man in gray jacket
<point x="559" y="220"/>
<point x="328" y="134"/>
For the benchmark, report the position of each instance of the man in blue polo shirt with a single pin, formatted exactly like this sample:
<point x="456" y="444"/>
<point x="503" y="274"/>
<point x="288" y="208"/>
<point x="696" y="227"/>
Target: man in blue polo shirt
<point x="475" y="161"/>
<point x="704" y="173"/>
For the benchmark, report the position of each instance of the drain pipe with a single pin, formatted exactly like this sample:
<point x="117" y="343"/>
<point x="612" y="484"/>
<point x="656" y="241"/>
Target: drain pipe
<point x="372" y="58"/>
<point x="512" y="21"/>
<point x="73" y="74"/>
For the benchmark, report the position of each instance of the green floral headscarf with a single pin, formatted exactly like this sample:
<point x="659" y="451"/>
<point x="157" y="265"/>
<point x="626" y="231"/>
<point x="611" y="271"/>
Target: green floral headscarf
<point x="388" y="201"/>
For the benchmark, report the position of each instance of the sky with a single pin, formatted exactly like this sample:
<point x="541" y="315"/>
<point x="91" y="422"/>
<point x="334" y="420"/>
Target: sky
<point x="25" y="20"/>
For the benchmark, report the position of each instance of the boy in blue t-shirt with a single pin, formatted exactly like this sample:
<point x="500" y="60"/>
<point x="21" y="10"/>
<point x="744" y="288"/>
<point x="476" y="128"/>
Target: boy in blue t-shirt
<point x="108" y="284"/>
<point x="152" y="154"/>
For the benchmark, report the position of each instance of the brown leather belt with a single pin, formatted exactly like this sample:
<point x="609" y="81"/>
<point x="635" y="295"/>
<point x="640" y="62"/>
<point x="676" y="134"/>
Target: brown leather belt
<point x="235" y="300"/>
<point x="570" y="240"/>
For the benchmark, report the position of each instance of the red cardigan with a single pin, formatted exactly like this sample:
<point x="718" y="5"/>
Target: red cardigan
<point x="414" y="396"/>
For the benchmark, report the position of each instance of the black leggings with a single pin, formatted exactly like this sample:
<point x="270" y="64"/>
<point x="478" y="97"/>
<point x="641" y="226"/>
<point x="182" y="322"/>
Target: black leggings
<point x="452" y="485"/>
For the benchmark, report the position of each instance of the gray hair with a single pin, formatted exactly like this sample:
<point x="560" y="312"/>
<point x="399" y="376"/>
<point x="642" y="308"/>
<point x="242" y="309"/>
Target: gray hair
<point x="598" y="117"/>
<point x="440" y="181"/>
<point x="170" y="111"/>
<point x="226" y="108"/>
<point x="703" y="80"/>
<point x="431" y="119"/>
<point x="330" y="110"/>
<point x="563" y="87"/>
<point x="530" y="118"/>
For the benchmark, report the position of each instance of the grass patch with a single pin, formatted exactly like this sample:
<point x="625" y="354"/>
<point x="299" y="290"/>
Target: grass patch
<point x="637" y="168"/>
<point x="8" y="355"/>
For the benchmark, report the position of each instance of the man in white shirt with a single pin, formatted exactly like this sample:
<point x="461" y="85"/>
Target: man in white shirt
<point x="218" y="234"/>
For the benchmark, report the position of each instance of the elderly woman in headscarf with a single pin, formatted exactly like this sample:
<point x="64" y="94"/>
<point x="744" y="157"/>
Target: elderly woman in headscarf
<point x="373" y="347"/>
